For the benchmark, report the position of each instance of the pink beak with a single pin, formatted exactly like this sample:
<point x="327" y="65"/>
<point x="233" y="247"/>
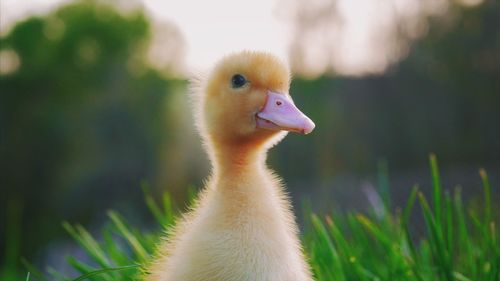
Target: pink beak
<point x="280" y="113"/>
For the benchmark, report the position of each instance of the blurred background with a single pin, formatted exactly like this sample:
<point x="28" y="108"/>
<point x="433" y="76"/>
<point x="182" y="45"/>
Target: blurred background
<point x="93" y="104"/>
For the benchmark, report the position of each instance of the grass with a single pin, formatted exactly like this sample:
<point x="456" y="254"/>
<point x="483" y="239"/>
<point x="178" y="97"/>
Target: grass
<point x="459" y="243"/>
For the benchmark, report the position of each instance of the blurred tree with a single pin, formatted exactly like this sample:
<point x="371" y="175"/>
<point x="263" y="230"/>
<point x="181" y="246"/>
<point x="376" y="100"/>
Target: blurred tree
<point x="81" y="116"/>
<point x="442" y="97"/>
<point x="459" y="60"/>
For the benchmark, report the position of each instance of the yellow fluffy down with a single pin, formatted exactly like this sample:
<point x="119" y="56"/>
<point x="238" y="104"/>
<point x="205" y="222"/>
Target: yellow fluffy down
<point x="242" y="226"/>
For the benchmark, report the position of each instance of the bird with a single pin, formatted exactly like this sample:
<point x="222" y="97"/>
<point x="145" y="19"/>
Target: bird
<point x="242" y="226"/>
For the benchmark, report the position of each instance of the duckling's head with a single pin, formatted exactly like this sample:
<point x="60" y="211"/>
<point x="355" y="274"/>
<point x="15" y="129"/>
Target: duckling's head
<point x="245" y="100"/>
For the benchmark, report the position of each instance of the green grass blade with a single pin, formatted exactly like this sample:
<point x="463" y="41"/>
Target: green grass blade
<point x="56" y="276"/>
<point x="79" y="266"/>
<point x="406" y="230"/>
<point x="112" y="247"/>
<point x="375" y="230"/>
<point x="168" y="210"/>
<point x="383" y="183"/>
<point x="104" y="270"/>
<point x="449" y="227"/>
<point x="152" y="205"/>
<point x="487" y="196"/>
<point x="464" y="244"/>
<point x="436" y="192"/>
<point x="33" y="270"/>
<point x="460" y="277"/>
<point x="135" y="244"/>
<point x="323" y="237"/>
<point x="435" y="240"/>
<point x="338" y="237"/>
<point x="88" y="243"/>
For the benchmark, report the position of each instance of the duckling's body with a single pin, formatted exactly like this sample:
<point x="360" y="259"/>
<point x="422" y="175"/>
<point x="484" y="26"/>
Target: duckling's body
<point x="243" y="227"/>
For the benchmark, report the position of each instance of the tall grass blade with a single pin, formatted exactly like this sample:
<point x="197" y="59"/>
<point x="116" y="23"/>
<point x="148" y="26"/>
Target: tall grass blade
<point x="487" y="196"/>
<point x="435" y="240"/>
<point x="136" y="245"/>
<point x="152" y="205"/>
<point x="337" y="269"/>
<point x="436" y="192"/>
<point x="88" y="243"/>
<point x="33" y="270"/>
<point x="104" y="270"/>
<point x="383" y="183"/>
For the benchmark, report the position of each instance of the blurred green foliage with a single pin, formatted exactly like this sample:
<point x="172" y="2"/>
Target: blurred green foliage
<point x="444" y="98"/>
<point x="81" y="119"/>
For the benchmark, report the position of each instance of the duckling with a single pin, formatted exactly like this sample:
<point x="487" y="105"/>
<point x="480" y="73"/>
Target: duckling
<point x="242" y="226"/>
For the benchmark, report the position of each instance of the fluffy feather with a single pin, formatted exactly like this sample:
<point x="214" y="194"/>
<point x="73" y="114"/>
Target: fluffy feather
<point x="242" y="226"/>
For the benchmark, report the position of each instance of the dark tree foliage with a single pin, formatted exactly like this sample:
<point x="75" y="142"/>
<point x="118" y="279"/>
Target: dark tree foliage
<point x="443" y="98"/>
<point x="80" y="120"/>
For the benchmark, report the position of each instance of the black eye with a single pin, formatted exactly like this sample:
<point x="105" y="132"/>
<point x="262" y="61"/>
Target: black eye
<point x="238" y="81"/>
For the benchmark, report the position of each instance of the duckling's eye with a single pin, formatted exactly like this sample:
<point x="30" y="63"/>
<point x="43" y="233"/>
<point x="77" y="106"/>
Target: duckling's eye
<point x="238" y="81"/>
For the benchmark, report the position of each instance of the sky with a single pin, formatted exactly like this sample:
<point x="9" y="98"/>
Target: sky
<point x="217" y="27"/>
<point x="358" y="39"/>
<point x="211" y="29"/>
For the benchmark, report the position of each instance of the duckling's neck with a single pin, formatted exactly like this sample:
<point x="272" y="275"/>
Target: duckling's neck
<point x="242" y="184"/>
<point x="237" y="160"/>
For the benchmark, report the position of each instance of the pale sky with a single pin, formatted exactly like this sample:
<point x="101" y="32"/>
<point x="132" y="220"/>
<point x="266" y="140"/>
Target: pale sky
<point x="217" y="27"/>
<point x="364" y="43"/>
<point x="210" y="28"/>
